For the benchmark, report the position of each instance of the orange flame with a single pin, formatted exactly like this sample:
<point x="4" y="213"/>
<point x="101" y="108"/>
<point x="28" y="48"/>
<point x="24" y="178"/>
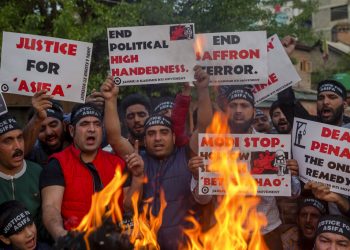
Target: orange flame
<point x="105" y="205"/>
<point x="237" y="223"/>
<point x="145" y="230"/>
<point x="198" y="45"/>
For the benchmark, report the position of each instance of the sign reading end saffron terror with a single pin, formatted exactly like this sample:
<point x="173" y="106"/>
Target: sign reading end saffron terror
<point x="265" y="155"/>
<point x="30" y="63"/>
<point x="323" y="154"/>
<point x="233" y="58"/>
<point x="151" y="54"/>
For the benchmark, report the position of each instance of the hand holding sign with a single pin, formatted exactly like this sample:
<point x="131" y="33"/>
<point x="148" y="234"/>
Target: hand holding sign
<point x="41" y="102"/>
<point x="96" y="98"/>
<point x="194" y="164"/>
<point x="134" y="162"/>
<point x="322" y="192"/>
<point x="293" y="167"/>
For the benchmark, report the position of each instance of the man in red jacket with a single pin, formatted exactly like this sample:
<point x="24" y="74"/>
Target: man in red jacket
<point x="74" y="174"/>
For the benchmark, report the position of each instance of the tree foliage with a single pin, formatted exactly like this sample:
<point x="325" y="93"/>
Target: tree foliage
<point x="88" y="20"/>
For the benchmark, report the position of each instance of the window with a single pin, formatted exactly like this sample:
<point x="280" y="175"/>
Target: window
<point x="305" y="66"/>
<point x="340" y="12"/>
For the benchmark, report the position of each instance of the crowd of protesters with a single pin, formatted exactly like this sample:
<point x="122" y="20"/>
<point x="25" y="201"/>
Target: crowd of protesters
<point x="50" y="169"/>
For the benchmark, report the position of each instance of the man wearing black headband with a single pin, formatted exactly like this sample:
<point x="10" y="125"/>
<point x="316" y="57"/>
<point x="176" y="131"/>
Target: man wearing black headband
<point x="238" y="105"/>
<point x="331" y="102"/>
<point x="303" y="235"/>
<point x="74" y="174"/>
<point x="261" y="122"/>
<point x="166" y="167"/>
<point x="17" y="228"/>
<point x="333" y="232"/>
<point x="19" y="178"/>
<point x="164" y="106"/>
<point x="45" y="132"/>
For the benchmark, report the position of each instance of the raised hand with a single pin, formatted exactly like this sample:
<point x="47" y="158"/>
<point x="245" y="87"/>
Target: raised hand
<point x="201" y="76"/>
<point x="108" y="89"/>
<point x="41" y="102"/>
<point x="134" y="162"/>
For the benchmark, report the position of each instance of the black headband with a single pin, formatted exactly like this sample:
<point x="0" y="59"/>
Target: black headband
<point x="15" y="217"/>
<point x="259" y="113"/>
<point x="314" y="203"/>
<point x="163" y="106"/>
<point x="85" y="110"/>
<point x="334" y="224"/>
<point x="333" y="86"/>
<point x="56" y="111"/>
<point x="158" y="120"/>
<point x="7" y="124"/>
<point x="240" y="92"/>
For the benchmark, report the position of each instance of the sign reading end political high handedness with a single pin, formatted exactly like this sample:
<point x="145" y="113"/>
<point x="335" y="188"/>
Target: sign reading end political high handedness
<point x="265" y="155"/>
<point x="323" y="154"/>
<point x="151" y="54"/>
<point x="30" y="63"/>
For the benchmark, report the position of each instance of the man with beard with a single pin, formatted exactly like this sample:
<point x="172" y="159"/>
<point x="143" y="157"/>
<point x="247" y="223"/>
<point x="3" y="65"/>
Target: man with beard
<point x="331" y="102"/>
<point x="19" y="178"/>
<point x="84" y="165"/>
<point x="333" y="232"/>
<point x="239" y="108"/>
<point x="279" y="119"/>
<point x="45" y="133"/>
<point x="261" y="122"/>
<point x="302" y="236"/>
<point x="136" y="109"/>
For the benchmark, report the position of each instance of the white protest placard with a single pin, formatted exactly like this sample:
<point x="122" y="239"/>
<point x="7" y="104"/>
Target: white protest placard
<point x="233" y="58"/>
<point x="3" y="106"/>
<point x="282" y="73"/>
<point x="30" y="63"/>
<point x="151" y="54"/>
<point x="265" y="155"/>
<point x="323" y="154"/>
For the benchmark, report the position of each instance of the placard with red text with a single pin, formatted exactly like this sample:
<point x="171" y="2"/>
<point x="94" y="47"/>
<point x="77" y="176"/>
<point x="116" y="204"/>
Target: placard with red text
<point x="30" y="63"/>
<point x="265" y="155"/>
<point x="282" y="73"/>
<point x="233" y="58"/>
<point x="323" y="154"/>
<point x="151" y="54"/>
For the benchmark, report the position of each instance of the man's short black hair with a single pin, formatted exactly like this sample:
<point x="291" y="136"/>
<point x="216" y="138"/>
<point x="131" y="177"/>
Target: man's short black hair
<point x="274" y="105"/>
<point x="135" y="99"/>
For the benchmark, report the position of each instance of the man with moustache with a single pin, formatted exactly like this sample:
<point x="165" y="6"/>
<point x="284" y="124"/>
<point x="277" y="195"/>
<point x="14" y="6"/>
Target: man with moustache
<point x="136" y="109"/>
<point x="45" y="132"/>
<point x="331" y="103"/>
<point x="279" y="119"/>
<point x="261" y="122"/>
<point x="74" y="174"/>
<point x="240" y="110"/>
<point x="302" y="236"/>
<point x="19" y="178"/>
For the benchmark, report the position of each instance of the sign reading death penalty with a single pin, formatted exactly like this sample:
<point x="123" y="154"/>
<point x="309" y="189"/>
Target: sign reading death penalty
<point x="151" y="54"/>
<point x="323" y="154"/>
<point x="233" y="58"/>
<point x="282" y="73"/>
<point x="265" y="155"/>
<point x="30" y="63"/>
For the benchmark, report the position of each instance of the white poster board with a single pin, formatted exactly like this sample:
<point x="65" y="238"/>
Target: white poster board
<point x="30" y="63"/>
<point x="233" y="58"/>
<point x="323" y="154"/>
<point x="265" y="155"/>
<point x="151" y="54"/>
